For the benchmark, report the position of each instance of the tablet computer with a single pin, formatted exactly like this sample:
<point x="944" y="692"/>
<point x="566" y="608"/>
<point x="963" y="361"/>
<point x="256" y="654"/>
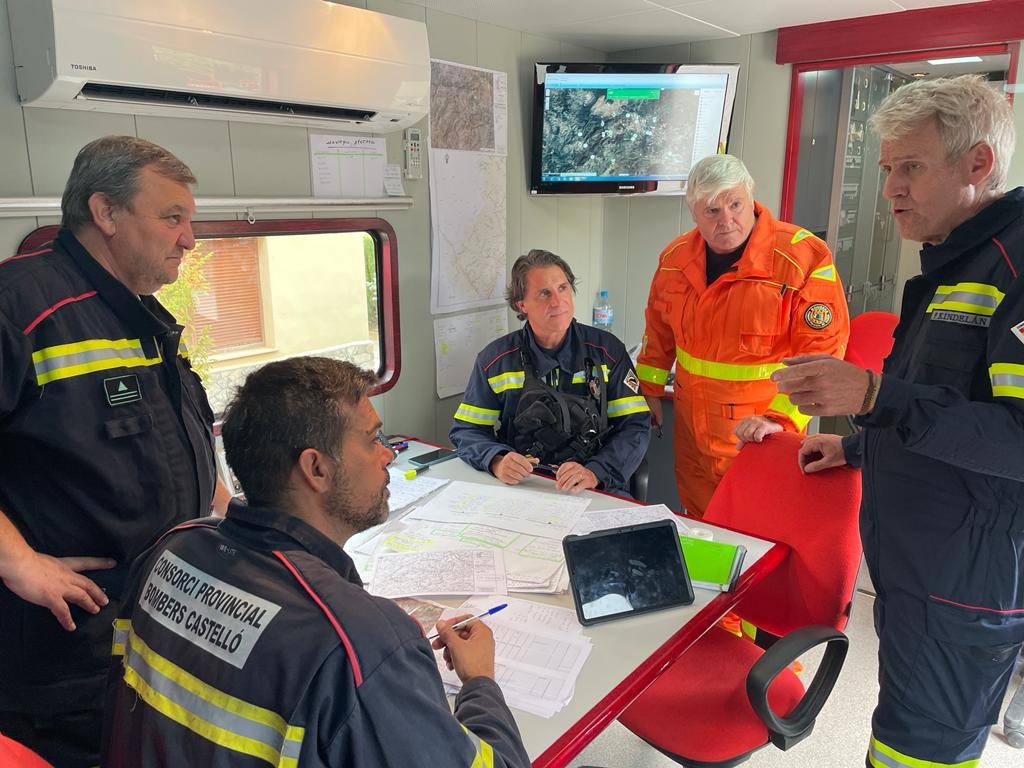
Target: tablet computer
<point x="626" y="571"/>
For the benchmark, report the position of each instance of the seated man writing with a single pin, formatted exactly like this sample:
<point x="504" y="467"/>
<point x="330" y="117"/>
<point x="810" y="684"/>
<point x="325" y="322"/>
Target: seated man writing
<point x="249" y="640"/>
<point x="556" y="392"/>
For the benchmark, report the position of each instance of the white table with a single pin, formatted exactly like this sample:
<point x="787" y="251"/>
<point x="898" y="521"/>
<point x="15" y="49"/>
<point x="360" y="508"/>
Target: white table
<point x="627" y="655"/>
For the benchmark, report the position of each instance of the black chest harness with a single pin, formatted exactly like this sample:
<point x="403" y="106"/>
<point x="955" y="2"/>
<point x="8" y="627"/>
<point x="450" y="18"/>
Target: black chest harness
<point x="555" y="425"/>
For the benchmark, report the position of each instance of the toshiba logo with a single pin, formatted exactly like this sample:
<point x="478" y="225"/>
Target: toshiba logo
<point x="88" y="67"/>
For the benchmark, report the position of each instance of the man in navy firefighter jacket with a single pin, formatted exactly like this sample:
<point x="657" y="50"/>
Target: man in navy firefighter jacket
<point x="555" y="392"/>
<point x="249" y="640"/>
<point x="942" y="440"/>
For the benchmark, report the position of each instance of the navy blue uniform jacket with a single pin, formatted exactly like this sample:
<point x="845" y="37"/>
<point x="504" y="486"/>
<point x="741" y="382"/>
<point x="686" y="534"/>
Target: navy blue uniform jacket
<point x="483" y="422"/>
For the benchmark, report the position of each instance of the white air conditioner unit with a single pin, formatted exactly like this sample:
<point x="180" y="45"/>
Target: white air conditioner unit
<point x="294" y="62"/>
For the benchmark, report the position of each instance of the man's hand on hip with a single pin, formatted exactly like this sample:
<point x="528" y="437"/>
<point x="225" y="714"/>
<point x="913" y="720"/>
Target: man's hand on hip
<point x="820" y="385"/>
<point x="56" y="582"/>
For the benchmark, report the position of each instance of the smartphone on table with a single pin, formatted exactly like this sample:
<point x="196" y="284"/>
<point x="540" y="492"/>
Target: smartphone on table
<point x="432" y="457"/>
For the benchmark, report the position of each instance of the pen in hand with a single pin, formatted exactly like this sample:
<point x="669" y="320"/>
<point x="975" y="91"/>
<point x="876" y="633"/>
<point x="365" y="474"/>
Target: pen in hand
<point x="464" y="622"/>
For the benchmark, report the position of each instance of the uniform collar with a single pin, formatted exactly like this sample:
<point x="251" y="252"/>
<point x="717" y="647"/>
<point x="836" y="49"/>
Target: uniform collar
<point x="756" y="260"/>
<point x="144" y="315"/>
<point x="546" y="360"/>
<point x="987" y="222"/>
<point x="253" y="523"/>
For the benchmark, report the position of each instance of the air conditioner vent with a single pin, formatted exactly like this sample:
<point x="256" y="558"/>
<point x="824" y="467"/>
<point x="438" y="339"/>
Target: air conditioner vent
<point x="124" y="93"/>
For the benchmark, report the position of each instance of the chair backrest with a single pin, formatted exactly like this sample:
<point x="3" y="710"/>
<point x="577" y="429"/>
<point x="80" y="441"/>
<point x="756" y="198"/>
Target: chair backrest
<point x="764" y="493"/>
<point x="871" y="339"/>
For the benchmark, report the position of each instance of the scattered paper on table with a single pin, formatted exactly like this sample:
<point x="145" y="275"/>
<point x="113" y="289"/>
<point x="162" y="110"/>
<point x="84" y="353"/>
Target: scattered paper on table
<point x="426" y="612"/>
<point x="601" y="519"/>
<point x="538" y="655"/>
<point x="405" y="492"/>
<point x="534" y="513"/>
<point x="446" y="572"/>
<point x="347" y="166"/>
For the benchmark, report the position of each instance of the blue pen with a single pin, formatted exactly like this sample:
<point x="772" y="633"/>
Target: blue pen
<point x="464" y="622"/>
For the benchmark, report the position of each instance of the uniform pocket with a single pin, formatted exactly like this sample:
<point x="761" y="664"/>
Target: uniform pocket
<point x="760" y="319"/>
<point x="964" y="663"/>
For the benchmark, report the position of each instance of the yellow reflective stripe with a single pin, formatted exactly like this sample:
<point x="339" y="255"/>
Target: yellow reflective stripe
<point x="883" y="756"/>
<point x="782" y="404"/>
<point x="121" y="627"/>
<point x="65" y="361"/>
<point x="974" y="298"/>
<point x="827" y="273"/>
<point x="624" y="406"/>
<point x="801" y="234"/>
<point x="484" y="757"/>
<point x="507" y="380"/>
<point x="488" y="417"/>
<point x="1007" y="380"/>
<point x="651" y="375"/>
<point x="93" y="367"/>
<point x="710" y="369"/>
<point x="207" y="711"/>
<point x="581" y="376"/>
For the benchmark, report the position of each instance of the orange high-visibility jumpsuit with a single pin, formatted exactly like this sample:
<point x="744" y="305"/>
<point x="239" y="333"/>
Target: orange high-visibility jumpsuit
<point x="783" y="299"/>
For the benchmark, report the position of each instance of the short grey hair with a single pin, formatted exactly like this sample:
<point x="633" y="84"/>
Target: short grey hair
<point x="714" y="175"/>
<point x="516" y="290"/>
<point x="967" y="110"/>
<point x="111" y="165"/>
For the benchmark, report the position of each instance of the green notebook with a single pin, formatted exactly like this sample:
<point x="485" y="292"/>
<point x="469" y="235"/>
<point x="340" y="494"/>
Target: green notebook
<point x="712" y="564"/>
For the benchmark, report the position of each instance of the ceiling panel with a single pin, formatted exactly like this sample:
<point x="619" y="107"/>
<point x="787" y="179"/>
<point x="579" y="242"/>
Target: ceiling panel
<point x="746" y="18"/>
<point x="616" y="25"/>
<point x="546" y="15"/>
<point x="637" y="30"/>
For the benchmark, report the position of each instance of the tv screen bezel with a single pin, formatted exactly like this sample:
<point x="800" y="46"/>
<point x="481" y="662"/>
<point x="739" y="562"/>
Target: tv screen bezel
<point x="630" y="187"/>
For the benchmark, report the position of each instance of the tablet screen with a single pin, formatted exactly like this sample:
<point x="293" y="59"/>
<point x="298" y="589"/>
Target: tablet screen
<point x="625" y="571"/>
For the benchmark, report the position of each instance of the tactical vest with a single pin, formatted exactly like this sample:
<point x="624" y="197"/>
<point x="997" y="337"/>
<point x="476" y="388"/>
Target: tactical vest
<point x="555" y="425"/>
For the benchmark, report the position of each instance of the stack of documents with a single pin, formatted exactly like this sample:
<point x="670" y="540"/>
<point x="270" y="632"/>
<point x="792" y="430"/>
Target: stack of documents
<point x="405" y="492"/>
<point x="523" y="529"/>
<point x="539" y="651"/>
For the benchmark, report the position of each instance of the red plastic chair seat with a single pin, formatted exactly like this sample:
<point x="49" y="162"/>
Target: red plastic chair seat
<point x="14" y="755"/>
<point x="697" y="711"/>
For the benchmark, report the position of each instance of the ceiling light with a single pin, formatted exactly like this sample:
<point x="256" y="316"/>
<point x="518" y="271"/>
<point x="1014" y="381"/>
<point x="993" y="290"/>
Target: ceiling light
<point x="956" y="60"/>
<point x="919" y="74"/>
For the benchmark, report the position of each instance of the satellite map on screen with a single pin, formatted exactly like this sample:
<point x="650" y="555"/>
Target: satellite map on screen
<point x="631" y="132"/>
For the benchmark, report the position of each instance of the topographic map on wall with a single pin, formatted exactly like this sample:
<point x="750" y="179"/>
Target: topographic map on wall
<point x="468" y="186"/>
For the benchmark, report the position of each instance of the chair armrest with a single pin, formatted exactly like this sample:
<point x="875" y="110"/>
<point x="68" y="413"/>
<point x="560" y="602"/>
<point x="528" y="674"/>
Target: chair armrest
<point x="784" y="732"/>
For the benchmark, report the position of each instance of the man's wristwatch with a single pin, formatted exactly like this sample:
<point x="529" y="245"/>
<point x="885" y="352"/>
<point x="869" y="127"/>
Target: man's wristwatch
<point x="871" y="395"/>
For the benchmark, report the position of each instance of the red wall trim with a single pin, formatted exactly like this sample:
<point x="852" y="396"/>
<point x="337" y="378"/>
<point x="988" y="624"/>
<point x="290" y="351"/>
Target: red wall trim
<point x="924" y="29"/>
<point x="387" y="251"/>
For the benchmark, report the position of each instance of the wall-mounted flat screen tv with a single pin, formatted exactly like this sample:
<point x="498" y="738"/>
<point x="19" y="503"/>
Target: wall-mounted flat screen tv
<point x="627" y="128"/>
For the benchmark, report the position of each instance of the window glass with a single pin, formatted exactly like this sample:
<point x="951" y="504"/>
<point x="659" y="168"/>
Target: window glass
<point x="248" y="300"/>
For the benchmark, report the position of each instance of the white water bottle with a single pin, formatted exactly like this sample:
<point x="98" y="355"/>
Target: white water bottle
<point x="604" y="315"/>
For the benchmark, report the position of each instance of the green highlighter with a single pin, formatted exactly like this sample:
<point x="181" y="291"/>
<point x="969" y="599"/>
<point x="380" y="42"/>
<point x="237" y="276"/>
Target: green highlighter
<point x="712" y="564"/>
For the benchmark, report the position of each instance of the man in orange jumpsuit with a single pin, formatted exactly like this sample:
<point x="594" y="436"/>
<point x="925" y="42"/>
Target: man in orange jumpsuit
<point x="730" y="299"/>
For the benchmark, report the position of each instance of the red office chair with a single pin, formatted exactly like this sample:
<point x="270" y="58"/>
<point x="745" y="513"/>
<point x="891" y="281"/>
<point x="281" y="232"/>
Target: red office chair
<point x="14" y="755"/>
<point x="726" y="696"/>
<point x="871" y="339"/>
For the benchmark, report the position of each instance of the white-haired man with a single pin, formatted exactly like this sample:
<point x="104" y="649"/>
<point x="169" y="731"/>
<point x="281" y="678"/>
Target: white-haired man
<point x="942" y="445"/>
<point x="730" y="299"/>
